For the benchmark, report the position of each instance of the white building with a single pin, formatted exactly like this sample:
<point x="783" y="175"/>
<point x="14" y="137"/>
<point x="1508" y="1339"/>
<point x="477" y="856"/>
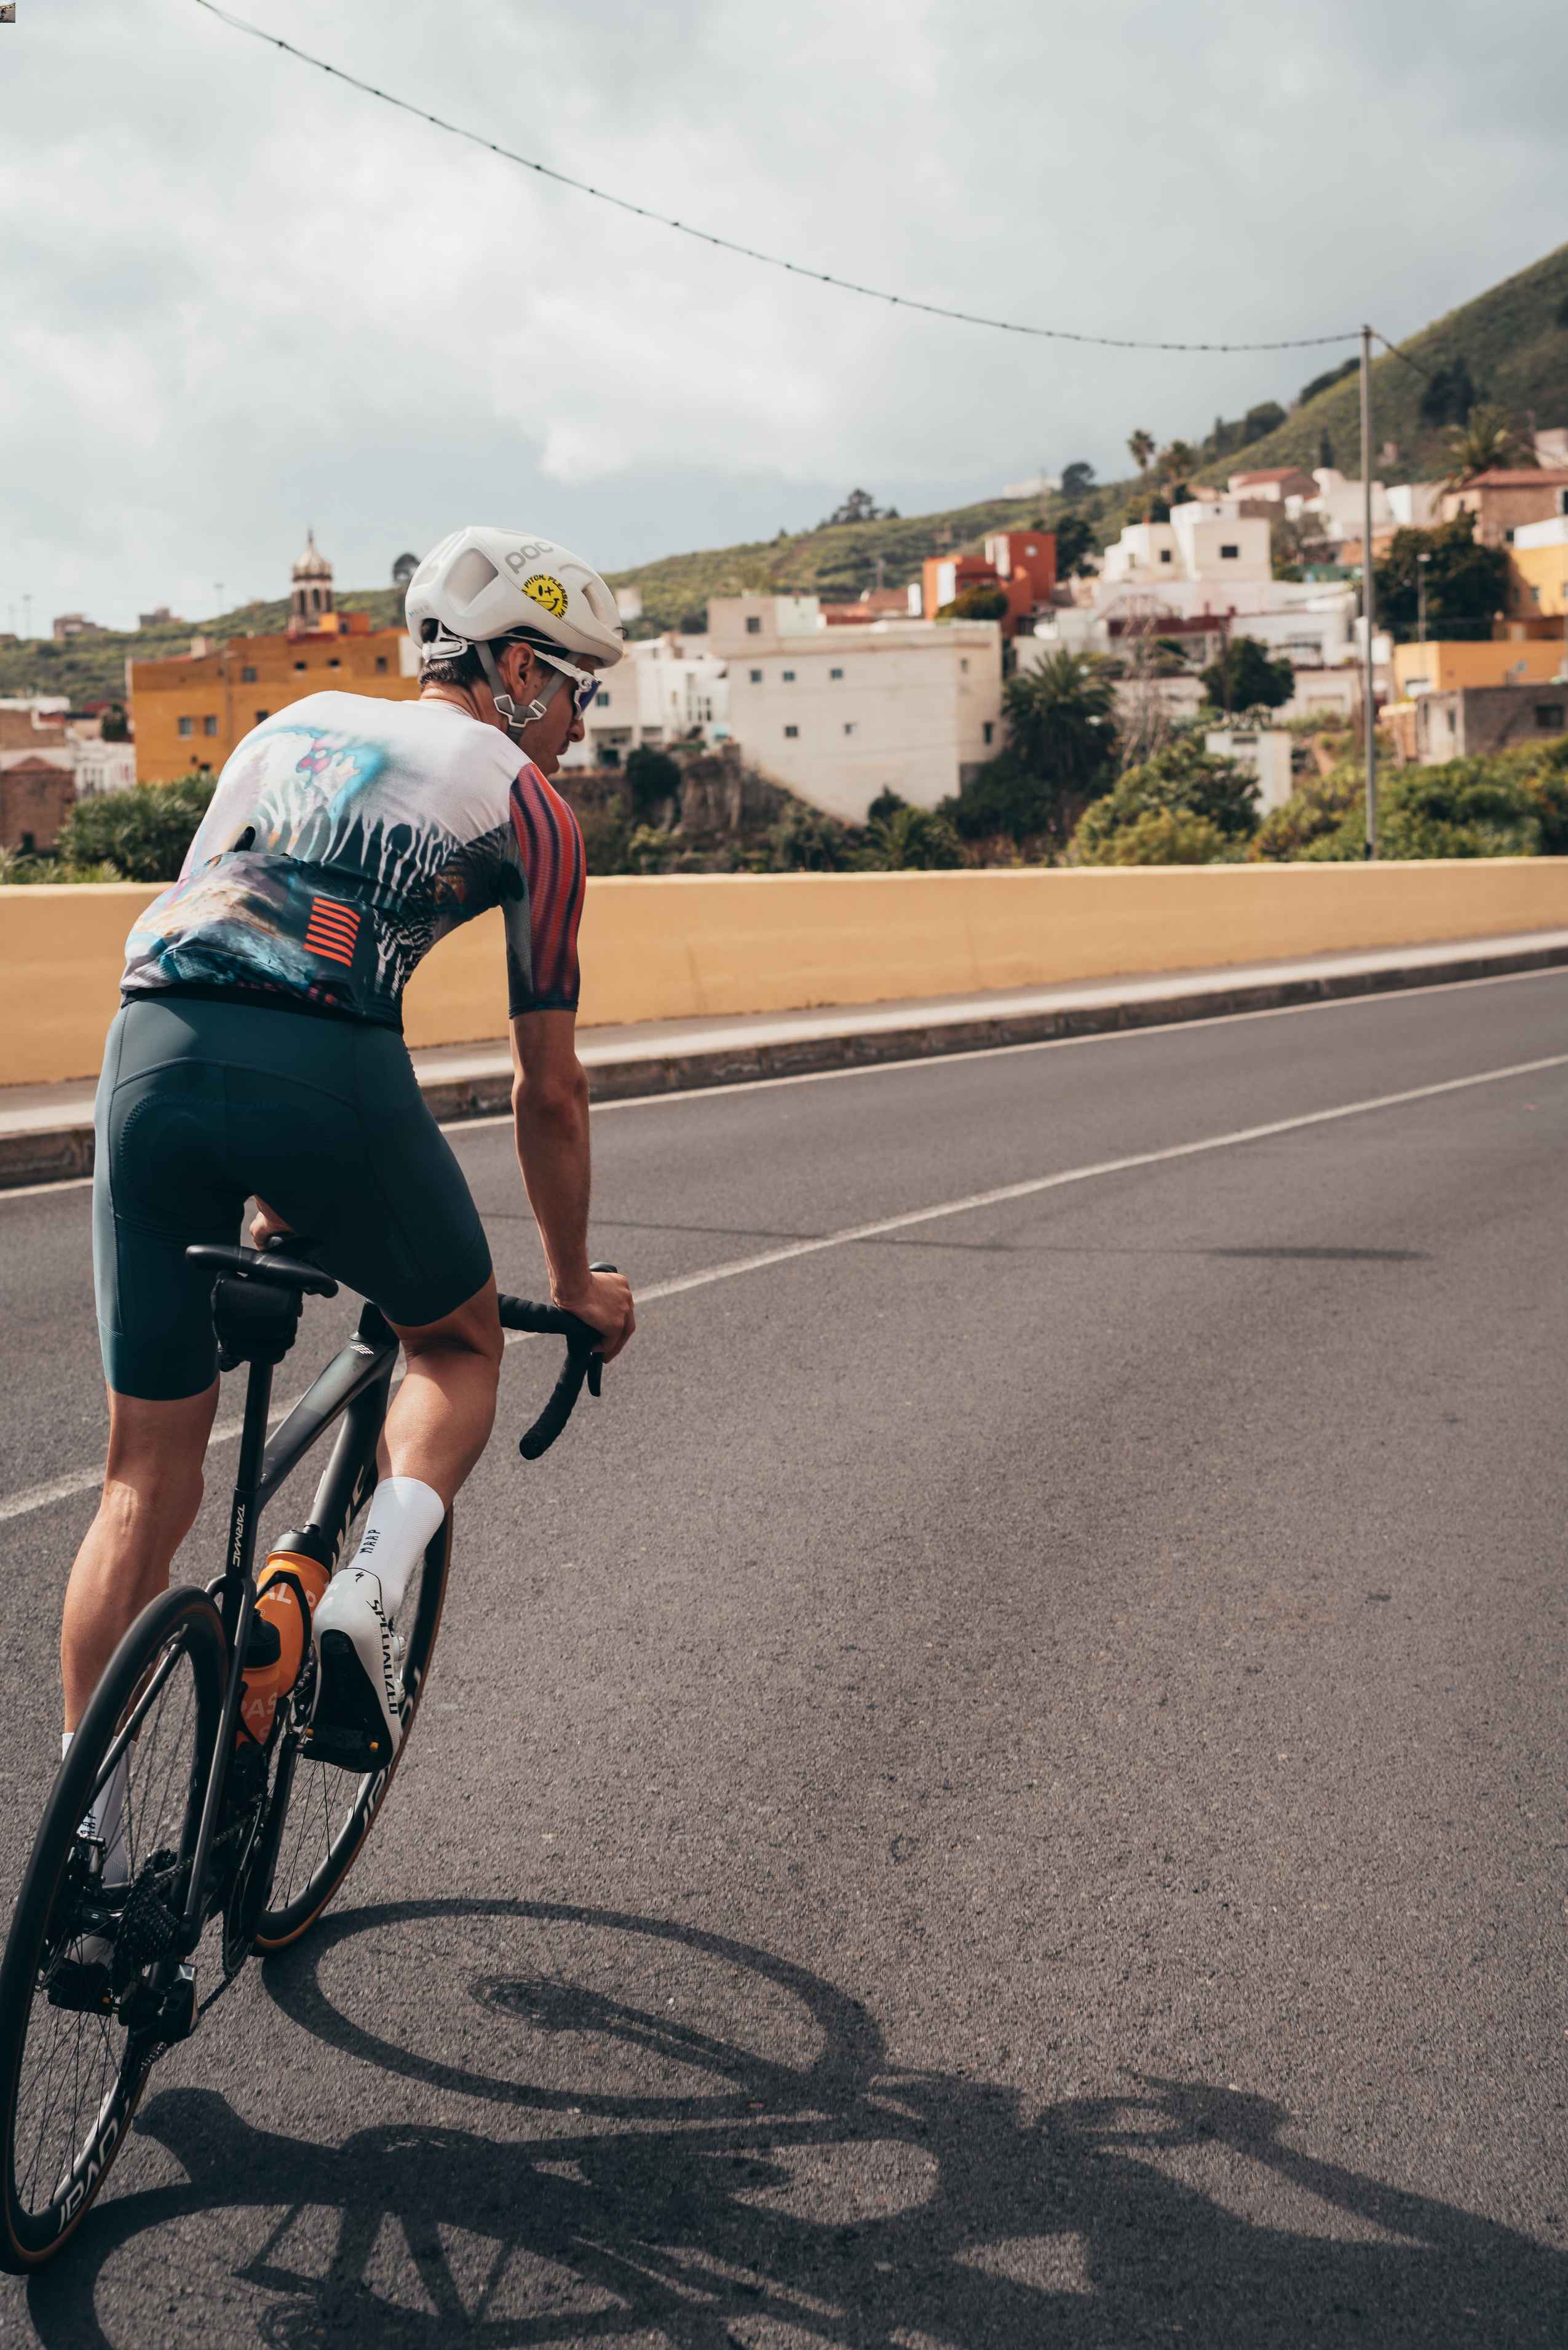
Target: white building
<point x="667" y="690"/>
<point x="1266" y="750"/>
<point x="842" y="714"/>
<point x="1205" y="546"/>
<point x="1338" y="505"/>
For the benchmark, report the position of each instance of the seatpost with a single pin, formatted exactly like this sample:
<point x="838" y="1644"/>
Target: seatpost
<point x="248" y="1477"/>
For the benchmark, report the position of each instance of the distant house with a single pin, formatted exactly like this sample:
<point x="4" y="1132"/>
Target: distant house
<point x="1275" y="483"/>
<point x="74" y="624"/>
<point x="161" y="618"/>
<point x="1505" y="498"/>
<point x="38" y="792"/>
<point x="1482" y="719"/>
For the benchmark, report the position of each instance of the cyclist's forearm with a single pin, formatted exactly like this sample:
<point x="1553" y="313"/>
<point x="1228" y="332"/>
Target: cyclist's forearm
<point x="553" y="1152"/>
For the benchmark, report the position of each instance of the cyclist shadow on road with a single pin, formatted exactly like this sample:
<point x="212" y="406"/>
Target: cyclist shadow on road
<point x="680" y="2184"/>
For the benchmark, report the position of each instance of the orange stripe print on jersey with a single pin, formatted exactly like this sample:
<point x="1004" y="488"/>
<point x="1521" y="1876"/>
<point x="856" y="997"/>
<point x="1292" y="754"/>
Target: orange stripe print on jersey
<point x="332" y="929"/>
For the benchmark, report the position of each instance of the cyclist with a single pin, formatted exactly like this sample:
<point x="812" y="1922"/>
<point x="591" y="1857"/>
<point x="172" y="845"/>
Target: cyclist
<point x="258" y="1052"/>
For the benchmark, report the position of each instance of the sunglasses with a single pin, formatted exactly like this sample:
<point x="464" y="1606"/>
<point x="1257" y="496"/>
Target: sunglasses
<point x="584" y="684"/>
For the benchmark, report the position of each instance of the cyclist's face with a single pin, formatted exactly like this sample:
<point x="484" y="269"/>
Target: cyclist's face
<point x="544" y="738"/>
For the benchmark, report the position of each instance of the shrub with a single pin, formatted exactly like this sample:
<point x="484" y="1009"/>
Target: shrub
<point x="916" y="838"/>
<point x="654" y="777"/>
<point x="1316" y="809"/>
<point x="1160" y="835"/>
<point x="143" y="833"/>
<point x="806" y="841"/>
<point x="1181" y="779"/>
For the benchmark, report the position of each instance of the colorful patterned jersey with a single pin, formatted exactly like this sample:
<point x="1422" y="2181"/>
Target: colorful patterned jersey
<point x="346" y="837"/>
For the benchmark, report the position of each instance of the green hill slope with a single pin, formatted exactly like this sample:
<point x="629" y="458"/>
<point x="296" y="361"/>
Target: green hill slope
<point x="1513" y="341"/>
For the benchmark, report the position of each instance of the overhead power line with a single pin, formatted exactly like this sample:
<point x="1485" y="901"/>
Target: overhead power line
<point x="748" y="251"/>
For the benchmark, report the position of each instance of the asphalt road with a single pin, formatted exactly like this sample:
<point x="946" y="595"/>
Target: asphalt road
<point x="1005" y="1786"/>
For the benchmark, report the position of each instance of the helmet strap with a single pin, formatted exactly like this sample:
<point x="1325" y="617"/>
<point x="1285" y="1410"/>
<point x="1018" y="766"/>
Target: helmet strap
<point x="511" y="718"/>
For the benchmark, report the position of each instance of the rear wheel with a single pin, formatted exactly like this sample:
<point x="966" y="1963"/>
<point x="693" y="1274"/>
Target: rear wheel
<point x="320" y="1814"/>
<point x="87" y="1991"/>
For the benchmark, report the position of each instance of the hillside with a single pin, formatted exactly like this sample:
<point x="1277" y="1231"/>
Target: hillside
<point x="1509" y="346"/>
<point x="835" y="562"/>
<point x="1513" y="341"/>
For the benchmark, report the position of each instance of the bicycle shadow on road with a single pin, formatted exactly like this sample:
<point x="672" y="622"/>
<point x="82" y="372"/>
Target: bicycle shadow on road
<point x="835" y="2200"/>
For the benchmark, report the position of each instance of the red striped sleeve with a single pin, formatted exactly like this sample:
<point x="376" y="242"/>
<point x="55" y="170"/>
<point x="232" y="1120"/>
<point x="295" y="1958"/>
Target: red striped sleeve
<point x="552" y="851"/>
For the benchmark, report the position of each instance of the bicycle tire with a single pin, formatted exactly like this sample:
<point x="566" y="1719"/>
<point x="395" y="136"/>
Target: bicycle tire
<point x="284" y="1920"/>
<point x="46" y="1927"/>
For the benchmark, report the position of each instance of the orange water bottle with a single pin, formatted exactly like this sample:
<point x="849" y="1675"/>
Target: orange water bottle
<point x="288" y="1591"/>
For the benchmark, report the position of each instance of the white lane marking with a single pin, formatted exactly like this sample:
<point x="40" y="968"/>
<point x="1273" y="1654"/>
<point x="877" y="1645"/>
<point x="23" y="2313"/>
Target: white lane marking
<point x="894" y="1067"/>
<point x="1034" y="1185"/>
<point x="81" y="1481"/>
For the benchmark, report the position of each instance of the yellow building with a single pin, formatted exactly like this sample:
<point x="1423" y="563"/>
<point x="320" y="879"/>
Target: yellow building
<point x="1538" y="570"/>
<point x="1447" y="666"/>
<point x="191" y="711"/>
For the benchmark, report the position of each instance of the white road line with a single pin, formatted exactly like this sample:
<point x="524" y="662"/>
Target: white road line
<point x="82" y="1480"/>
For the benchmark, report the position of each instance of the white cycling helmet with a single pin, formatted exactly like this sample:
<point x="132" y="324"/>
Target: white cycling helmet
<point x="481" y="585"/>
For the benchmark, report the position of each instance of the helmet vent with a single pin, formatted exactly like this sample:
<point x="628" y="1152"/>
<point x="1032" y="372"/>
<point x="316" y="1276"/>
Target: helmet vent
<point x="471" y="574"/>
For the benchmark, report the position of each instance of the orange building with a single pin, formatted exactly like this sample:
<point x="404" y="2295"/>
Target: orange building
<point x="191" y="711"/>
<point x="1021" y="563"/>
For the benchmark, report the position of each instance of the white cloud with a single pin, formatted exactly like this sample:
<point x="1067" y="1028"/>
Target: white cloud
<point x="242" y="297"/>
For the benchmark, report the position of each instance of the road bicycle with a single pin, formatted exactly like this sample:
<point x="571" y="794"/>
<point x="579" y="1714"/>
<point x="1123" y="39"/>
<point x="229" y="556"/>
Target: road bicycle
<point x="251" y="1836"/>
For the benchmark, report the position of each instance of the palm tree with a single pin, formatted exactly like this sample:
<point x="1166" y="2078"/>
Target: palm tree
<point x="1140" y="448"/>
<point x="1176" y="462"/>
<point x="1488" y="439"/>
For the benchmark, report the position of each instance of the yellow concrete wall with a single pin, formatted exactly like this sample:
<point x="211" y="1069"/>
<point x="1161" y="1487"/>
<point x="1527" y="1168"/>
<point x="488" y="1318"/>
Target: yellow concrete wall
<point x="710" y="945"/>
<point x="1538" y="577"/>
<point x="1449" y="665"/>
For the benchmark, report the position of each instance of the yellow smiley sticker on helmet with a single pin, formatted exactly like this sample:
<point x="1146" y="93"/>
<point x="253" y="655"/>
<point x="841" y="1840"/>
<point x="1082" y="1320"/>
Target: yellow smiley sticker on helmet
<point x="548" y="592"/>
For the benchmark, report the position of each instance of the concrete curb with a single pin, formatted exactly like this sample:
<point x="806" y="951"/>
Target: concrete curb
<point x="44" y="1154"/>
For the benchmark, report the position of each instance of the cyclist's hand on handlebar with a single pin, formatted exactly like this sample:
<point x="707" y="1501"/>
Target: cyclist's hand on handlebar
<point x="265" y="1224"/>
<point x="605" y="1304"/>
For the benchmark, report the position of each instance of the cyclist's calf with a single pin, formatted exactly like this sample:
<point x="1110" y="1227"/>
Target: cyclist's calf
<point x="441" y="1416"/>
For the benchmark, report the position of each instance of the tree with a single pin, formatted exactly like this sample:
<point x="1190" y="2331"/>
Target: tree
<point x="1246" y="678"/>
<point x="1180" y="779"/>
<point x="1061" y="731"/>
<point x="806" y="841"/>
<point x="1141" y="448"/>
<point x="916" y="839"/>
<point x="1002" y="801"/>
<point x="143" y="833"/>
<point x="1464" y="807"/>
<point x="1075" y="538"/>
<point x="978" y="603"/>
<point x="1157" y="836"/>
<point x="1326" y="447"/>
<point x="1294" y="543"/>
<point x="114" y="726"/>
<point x="1466" y="584"/>
<point x="1267" y="417"/>
<point x="858" y="506"/>
<point x="1449" y="395"/>
<point x="403" y="569"/>
<point x="1322" y="382"/>
<point x="653" y="777"/>
<point x="884" y="806"/>
<point x="1077" y="480"/>
<point x="1316" y="810"/>
<point x="1487" y="438"/>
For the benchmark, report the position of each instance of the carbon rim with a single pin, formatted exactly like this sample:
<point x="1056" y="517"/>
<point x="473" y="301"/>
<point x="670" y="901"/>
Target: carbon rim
<point x="70" y="2074"/>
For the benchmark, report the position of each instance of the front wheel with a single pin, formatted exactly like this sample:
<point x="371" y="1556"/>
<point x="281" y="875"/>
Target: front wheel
<point x="320" y="1815"/>
<point x="94" y="1920"/>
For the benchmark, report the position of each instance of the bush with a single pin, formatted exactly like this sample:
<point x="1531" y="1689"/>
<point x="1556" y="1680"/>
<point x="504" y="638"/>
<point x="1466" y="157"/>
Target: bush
<point x="976" y="604"/>
<point x="1160" y="835"/>
<point x="806" y="841"/>
<point x="1315" y="811"/>
<point x="917" y="840"/>
<point x="1180" y="779"/>
<point x="605" y="838"/>
<point x="1245" y="678"/>
<point x="1004" y="798"/>
<point x="654" y="778"/>
<point x="143" y="833"/>
<point x="1465" y="807"/>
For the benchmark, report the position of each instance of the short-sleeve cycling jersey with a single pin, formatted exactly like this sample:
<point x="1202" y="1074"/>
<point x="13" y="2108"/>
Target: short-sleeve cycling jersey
<point x="346" y="837"/>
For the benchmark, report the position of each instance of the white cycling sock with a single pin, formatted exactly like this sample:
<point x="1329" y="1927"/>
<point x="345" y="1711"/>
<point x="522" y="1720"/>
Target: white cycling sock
<point x="106" y="1817"/>
<point x="403" y="1516"/>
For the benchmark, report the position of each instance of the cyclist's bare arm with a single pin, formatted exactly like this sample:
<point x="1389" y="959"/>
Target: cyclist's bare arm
<point x="550" y="1107"/>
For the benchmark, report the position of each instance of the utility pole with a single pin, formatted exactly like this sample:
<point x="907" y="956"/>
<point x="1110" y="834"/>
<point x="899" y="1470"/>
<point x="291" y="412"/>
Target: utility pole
<point x="1368" y="614"/>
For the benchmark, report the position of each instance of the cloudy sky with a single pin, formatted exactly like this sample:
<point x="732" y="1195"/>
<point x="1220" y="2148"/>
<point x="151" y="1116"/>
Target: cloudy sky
<point x="240" y="297"/>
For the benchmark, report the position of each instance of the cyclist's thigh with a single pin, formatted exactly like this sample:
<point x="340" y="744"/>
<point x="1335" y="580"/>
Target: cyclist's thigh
<point x="158" y="1186"/>
<point x="343" y="1146"/>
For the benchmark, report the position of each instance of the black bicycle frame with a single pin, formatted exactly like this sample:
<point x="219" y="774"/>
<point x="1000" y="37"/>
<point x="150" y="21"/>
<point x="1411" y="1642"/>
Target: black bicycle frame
<point x="353" y="1387"/>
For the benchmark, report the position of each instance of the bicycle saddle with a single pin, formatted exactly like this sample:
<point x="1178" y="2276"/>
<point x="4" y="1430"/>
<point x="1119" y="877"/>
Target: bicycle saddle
<point x="280" y="1271"/>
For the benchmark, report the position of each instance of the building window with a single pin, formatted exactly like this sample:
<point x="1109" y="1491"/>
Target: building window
<point x="1164" y="555"/>
<point x="1549" y="717"/>
<point x="334" y="662"/>
<point x="187" y="726"/>
<point x="29" y="842"/>
<point x="788" y="676"/>
<point x="1229" y="553"/>
<point x="755" y="675"/>
<point x="380" y="661"/>
<point x="988" y="729"/>
<point x="602" y="698"/>
<point x="299" y="664"/>
<point x="209" y="725"/>
<point x="262" y="714"/>
<point x="836" y="672"/>
<point x="248" y="677"/>
<point x="849" y="725"/>
<point x="1508" y="538"/>
<point x="789" y="734"/>
<point x="754" y="626"/>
